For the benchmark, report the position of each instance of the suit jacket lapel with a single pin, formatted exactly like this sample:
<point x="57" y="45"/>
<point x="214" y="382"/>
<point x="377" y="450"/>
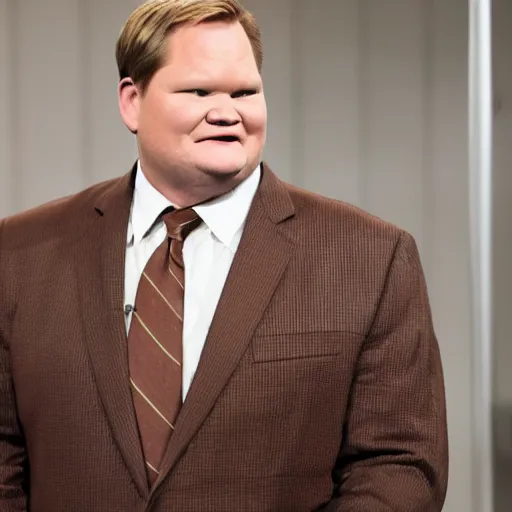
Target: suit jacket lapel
<point x="101" y="280"/>
<point x="260" y="261"/>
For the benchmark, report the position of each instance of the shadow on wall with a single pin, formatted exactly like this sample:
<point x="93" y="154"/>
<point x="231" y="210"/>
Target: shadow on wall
<point x="503" y="458"/>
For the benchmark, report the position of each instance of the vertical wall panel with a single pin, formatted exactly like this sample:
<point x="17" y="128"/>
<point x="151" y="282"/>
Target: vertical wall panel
<point x="503" y="202"/>
<point x="393" y="118"/>
<point x="450" y="271"/>
<point x="6" y="165"/>
<point x="329" y="137"/>
<point x="275" y="20"/>
<point x="502" y="248"/>
<point x="111" y="149"/>
<point x="48" y="106"/>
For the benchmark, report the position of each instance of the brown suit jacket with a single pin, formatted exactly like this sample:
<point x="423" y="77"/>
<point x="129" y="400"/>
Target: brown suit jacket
<point x="319" y="388"/>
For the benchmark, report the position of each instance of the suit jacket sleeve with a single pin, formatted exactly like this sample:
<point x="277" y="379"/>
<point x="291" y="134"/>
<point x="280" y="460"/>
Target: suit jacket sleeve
<point x="394" y="457"/>
<point x="13" y="457"/>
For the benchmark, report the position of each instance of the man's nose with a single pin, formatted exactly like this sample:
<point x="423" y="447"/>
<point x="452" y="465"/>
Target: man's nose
<point x="223" y="116"/>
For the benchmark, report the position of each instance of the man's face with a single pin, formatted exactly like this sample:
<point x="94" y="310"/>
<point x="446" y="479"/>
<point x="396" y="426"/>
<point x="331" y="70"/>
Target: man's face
<point x="202" y="120"/>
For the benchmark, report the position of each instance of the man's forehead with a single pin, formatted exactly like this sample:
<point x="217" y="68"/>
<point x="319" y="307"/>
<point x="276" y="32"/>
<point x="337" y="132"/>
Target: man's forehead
<point x="198" y="54"/>
<point x="209" y="37"/>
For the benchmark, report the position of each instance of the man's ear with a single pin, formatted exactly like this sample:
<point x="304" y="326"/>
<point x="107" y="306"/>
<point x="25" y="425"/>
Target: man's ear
<point x="128" y="95"/>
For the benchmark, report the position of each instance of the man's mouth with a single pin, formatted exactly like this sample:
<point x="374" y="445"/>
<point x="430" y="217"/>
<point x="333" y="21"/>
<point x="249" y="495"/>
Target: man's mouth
<point x="223" y="138"/>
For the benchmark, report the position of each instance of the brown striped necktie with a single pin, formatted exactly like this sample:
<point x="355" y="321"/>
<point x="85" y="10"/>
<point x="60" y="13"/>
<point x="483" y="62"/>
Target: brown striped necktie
<point x="155" y="340"/>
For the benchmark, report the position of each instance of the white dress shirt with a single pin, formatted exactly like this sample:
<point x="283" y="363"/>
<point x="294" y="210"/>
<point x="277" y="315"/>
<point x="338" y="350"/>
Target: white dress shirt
<point x="207" y="253"/>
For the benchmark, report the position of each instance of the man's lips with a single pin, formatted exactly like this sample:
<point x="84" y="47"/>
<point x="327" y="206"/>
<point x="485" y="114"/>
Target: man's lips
<point x="221" y="138"/>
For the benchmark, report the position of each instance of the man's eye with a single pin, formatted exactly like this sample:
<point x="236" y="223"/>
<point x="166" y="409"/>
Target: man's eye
<point x="244" y="93"/>
<point x="199" y="92"/>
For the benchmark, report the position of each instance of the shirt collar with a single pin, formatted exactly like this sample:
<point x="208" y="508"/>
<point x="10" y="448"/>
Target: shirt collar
<point x="224" y="215"/>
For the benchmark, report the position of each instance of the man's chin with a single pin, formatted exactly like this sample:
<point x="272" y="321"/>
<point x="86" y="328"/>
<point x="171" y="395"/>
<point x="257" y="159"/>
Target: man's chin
<point x="222" y="172"/>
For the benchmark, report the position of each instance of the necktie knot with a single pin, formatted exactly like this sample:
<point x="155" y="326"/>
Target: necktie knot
<point x="180" y="223"/>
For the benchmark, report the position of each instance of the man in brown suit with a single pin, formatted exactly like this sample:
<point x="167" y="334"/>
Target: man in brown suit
<point x="198" y="335"/>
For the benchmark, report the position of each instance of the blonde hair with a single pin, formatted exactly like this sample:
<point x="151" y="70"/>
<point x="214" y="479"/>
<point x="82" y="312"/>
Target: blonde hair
<point x="141" y="46"/>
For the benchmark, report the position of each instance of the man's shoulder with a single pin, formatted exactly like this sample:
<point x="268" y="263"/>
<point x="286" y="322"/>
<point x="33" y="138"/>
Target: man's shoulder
<point x="342" y="233"/>
<point x="54" y="218"/>
<point x="340" y="217"/>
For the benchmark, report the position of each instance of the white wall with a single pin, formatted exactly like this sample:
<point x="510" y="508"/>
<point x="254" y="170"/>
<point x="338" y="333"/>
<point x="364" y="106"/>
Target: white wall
<point x="59" y="126"/>
<point x="367" y="103"/>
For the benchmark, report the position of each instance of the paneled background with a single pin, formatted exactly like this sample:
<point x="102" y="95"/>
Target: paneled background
<point x="367" y="103"/>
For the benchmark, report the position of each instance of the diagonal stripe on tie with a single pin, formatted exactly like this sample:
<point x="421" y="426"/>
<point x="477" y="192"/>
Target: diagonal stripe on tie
<point x="150" y="403"/>
<point x="175" y="277"/>
<point x="152" y="468"/>
<point x="153" y="337"/>
<point x="162" y="295"/>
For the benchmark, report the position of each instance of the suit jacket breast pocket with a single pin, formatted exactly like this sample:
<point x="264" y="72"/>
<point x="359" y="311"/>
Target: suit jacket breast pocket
<point x="304" y="345"/>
